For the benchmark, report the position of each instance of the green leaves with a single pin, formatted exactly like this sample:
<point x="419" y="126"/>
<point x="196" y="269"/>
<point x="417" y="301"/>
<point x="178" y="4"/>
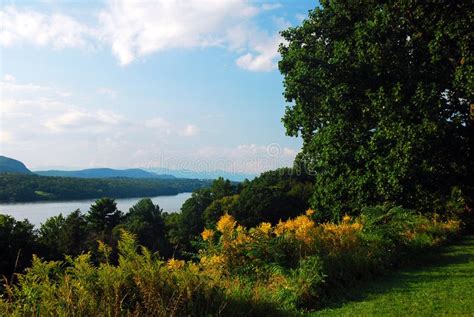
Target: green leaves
<point x="377" y="97"/>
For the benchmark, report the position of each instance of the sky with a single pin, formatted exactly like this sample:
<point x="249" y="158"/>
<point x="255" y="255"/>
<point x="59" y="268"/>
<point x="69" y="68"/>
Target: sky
<point x="190" y="84"/>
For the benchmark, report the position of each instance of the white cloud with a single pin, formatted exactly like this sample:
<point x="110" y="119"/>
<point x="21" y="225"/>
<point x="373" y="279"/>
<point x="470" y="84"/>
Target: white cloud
<point x="82" y="120"/>
<point x="244" y="158"/>
<point x="5" y="136"/>
<point x="263" y="60"/>
<point x="271" y="6"/>
<point x="9" y="78"/>
<point x="246" y="152"/>
<point x="9" y="85"/>
<point x="261" y="47"/>
<point x="32" y="110"/>
<point x="139" y="30"/>
<point x="134" y="30"/>
<point x="190" y="130"/>
<point x="159" y="125"/>
<point x="157" y="122"/>
<point x="58" y="30"/>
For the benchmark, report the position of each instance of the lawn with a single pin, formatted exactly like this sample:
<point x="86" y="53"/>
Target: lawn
<point x="442" y="286"/>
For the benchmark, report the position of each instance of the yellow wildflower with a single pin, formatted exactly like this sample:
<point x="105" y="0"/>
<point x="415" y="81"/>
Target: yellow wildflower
<point x="280" y="228"/>
<point x="207" y="234"/>
<point x="265" y="227"/>
<point x="346" y="219"/>
<point x="242" y="236"/>
<point x="213" y="261"/>
<point x="174" y="264"/>
<point x="194" y="268"/>
<point x="357" y="226"/>
<point x="303" y="227"/>
<point x="226" y="223"/>
<point x="309" y="212"/>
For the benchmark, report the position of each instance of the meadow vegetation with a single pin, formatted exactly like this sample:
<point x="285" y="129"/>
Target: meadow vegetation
<point x="295" y="265"/>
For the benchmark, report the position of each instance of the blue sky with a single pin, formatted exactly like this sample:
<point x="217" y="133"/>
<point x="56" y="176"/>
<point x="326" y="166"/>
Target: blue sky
<point x="176" y="84"/>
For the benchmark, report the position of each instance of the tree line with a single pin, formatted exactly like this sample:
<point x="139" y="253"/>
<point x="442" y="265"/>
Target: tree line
<point x="274" y="195"/>
<point x="25" y="188"/>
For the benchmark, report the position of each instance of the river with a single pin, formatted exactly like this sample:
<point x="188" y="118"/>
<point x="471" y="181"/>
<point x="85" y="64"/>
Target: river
<point x="38" y="212"/>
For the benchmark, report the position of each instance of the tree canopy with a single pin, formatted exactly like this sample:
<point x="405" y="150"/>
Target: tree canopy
<point x="380" y="93"/>
<point x="145" y="220"/>
<point x="103" y="215"/>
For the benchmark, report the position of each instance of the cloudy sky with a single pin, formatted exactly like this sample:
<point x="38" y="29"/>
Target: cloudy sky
<point x="177" y="84"/>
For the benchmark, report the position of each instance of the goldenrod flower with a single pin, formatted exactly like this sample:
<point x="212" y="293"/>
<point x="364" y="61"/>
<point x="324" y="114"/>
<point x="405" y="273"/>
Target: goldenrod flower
<point x="226" y="223"/>
<point x="309" y="212"/>
<point x="174" y="264"/>
<point x="265" y="227"/>
<point x="346" y="219"/>
<point x="280" y="228"/>
<point x="207" y="234"/>
<point x="213" y="261"/>
<point x="242" y="236"/>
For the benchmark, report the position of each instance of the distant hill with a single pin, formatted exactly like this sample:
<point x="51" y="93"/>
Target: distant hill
<point x="9" y="165"/>
<point x="15" y="187"/>
<point x="105" y="173"/>
<point x="184" y="173"/>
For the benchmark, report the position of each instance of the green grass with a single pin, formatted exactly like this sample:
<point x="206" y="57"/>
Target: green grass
<point x="443" y="285"/>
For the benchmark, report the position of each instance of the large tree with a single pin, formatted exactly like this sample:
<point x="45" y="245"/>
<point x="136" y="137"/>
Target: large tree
<point x="380" y="92"/>
<point x="103" y="215"/>
<point x="145" y="220"/>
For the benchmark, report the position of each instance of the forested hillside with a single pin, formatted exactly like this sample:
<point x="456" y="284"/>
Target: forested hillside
<point x="23" y="188"/>
<point x="9" y="165"/>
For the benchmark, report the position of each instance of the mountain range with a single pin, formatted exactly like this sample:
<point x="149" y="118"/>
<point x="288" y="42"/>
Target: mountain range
<point x="105" y="173"/>
<point x="9" y="165"/>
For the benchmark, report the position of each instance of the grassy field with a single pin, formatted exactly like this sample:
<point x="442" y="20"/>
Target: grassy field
<point x="442" y="286"/>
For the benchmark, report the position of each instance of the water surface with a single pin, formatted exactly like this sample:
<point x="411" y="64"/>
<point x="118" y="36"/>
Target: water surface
<point x="38" y="212"/>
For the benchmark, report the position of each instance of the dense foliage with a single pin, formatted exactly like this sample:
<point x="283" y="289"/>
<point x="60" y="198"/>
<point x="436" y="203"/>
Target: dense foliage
<point x="272" y="196"/>
<point x="174" y="234"/>
<point x="17" y="244"/>
<point x="275" y="195"/>
<point x="22" y="188"/>
<point x="293" y="263"/>
<point x="264" y="270"/>
<point x="381" y="94"/>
